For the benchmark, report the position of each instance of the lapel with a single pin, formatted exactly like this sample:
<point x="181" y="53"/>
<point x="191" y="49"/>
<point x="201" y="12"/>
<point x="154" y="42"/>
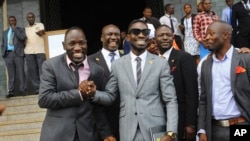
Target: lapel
<point x="101" y="61"/>
<point x="172" y="58"/>
<point x="128" y="69"/>
<point x="70" y="71"/>
<point x="146" y="70"/>
<point x="234" y="64"/>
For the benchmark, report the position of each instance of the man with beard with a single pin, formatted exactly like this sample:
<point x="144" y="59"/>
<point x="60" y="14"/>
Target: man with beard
<point x="145" y="86"/>
<point x="225" y="80"/>
<point x="70" y="116"/>
<point x="183" y="69"/>
<point x="110" y="42"/>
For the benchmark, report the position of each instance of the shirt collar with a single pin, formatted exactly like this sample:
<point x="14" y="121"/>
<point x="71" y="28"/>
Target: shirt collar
<point x="105" y="52"/>
<point x="142" y="56"/>
<point x="228" y="54"/>
<point x="85" y="61"/>
<point x="166" y="54"/>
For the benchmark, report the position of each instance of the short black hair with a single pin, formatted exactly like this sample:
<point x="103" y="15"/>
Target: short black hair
<point x="136" y="21"/>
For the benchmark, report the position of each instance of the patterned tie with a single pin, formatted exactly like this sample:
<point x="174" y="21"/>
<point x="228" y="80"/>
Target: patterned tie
<point x="138" y="69"/>
<point x="112" y="55"/>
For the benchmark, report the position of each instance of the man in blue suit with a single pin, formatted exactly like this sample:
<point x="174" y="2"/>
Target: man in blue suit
<point x="13" y="54"/>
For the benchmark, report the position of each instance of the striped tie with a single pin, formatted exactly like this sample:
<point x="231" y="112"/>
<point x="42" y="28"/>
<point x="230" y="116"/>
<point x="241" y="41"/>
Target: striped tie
<point x="138" y="69"/>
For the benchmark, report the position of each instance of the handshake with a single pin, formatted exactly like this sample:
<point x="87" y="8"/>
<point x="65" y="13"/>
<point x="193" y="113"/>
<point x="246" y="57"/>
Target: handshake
<point x="87" y="89"/>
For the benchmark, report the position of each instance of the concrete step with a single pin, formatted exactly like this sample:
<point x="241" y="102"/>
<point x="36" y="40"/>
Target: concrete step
<point x="21" y="125"/>
<point x="22" y="119"/>
<point x="21" y="135"/>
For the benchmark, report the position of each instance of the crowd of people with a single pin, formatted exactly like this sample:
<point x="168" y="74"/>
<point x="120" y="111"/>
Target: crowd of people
<point x="191" y="77"/>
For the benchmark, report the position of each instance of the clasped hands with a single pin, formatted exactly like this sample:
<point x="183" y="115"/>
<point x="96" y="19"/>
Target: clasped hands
<point x="87" y="89"/>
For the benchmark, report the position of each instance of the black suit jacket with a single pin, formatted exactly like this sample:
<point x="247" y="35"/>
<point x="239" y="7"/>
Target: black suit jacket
<point x="241" y="15"/>
<point x="66" y="112"/>
<point x="183" y="69"/>
<point x="182" y="22"/>
<point x="112" y="111"/>
<point x="18" y="41"/>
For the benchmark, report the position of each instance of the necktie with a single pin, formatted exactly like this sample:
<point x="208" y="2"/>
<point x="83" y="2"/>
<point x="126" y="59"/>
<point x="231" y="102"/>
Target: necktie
<point x="171" y="22"/>
<point x="76" y="68"/>
<point x="138" y="69"/>
<point x="230" y="16"/>
<point x="112" y="55"/>
<point x="11" y="38"/>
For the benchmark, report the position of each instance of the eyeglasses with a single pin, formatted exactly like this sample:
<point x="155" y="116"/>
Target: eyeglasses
<point x="137" y="31"/>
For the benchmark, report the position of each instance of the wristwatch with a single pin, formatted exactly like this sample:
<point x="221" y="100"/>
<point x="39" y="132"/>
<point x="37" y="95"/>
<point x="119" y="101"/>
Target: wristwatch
<point x="172" y="134"/>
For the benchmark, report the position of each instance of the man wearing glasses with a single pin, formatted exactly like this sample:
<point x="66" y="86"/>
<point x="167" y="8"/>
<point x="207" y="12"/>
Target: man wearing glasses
<point x="145" y="86"/>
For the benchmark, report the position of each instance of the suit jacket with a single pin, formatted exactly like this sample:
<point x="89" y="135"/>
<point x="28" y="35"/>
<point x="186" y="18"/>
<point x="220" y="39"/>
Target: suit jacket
<point x="182" y="22"/>
<point x="66" y="112"/>
<point x="18" y="41"/>
<point x="240" y="87"/>
<point x="240" y="20"/>
<point x="112" y="111"/>
<point x="183" y="69"/>
<point x="144" y="104"/>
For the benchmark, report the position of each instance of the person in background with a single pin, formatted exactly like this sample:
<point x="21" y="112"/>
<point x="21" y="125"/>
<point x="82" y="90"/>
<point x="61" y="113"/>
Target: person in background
<point x="70" y="116"/>
<point x="34" y="50"/>
<point x="110" y="38"/>
<point x="199" y="7"/>
<point x="146" y="88"/>
<point x="201" y="22"/>
<point x="2" y="108"/>
<point x="224" y="82"/>
<point x="171" y="21"/>
<point x="240" y="23"/>
<point x="226" y="14"/>
<point x="191" y="45"/>
<point x="183" y="69"/>
<point x="13" y="43"/>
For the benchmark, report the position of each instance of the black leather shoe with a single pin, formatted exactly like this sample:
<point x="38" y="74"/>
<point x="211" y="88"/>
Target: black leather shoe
<point x="9" y="95"/>
<point x="24" y="93"/>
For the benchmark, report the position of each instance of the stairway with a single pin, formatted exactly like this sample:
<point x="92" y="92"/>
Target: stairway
<point x="22" y="119"/>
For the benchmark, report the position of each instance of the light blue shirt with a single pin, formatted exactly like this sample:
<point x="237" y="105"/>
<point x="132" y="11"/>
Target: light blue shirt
<point x="223" y="102"/>
<point x="225" y="15"/>
<point x="9" y="47"/>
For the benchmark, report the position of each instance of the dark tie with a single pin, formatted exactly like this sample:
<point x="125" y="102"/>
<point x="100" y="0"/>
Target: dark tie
<point x="76" y="68"/>
<point x="112" y="55"/>
<point x="171" y="22"/>
<point x="230" y="16"/>
<point x="138" y="69"/>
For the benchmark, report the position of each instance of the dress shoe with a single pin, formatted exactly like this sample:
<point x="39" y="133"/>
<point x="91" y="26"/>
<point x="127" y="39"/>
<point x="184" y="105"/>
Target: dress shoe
<point x="24" y="93"/>
<point x="9" y="95"/>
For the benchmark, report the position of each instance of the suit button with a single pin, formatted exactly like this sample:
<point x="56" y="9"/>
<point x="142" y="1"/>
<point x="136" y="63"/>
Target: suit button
<point x="135" y="113"/>
<point x="137" y="97"/>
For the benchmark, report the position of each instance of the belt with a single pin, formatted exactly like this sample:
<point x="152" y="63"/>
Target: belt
<point x="228" y="122"/>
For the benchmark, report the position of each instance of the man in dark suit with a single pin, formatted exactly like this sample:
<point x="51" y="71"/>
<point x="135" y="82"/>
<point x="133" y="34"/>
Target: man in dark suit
<point x="240" y="23"/>
<point x="183" y="69"/>
<point x="110" y="42"/>
<point x="13" y="54"/>
<point x="71" y="117"/>
<point x="225" y="78"/>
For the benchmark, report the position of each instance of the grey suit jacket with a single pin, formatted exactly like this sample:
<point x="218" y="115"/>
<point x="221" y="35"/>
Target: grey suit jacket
<point x="18" y="41"/>
<point x="66" y="112"/>
<point x="240" y="87"/>
<point x="143" y="105"/>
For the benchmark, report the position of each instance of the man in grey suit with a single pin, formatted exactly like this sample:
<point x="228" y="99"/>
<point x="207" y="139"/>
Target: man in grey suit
<point x="71" y="117"/>
<point x="145" y="86"/>
<point x="13" y="54"/>
<point x="225" y="81"/>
